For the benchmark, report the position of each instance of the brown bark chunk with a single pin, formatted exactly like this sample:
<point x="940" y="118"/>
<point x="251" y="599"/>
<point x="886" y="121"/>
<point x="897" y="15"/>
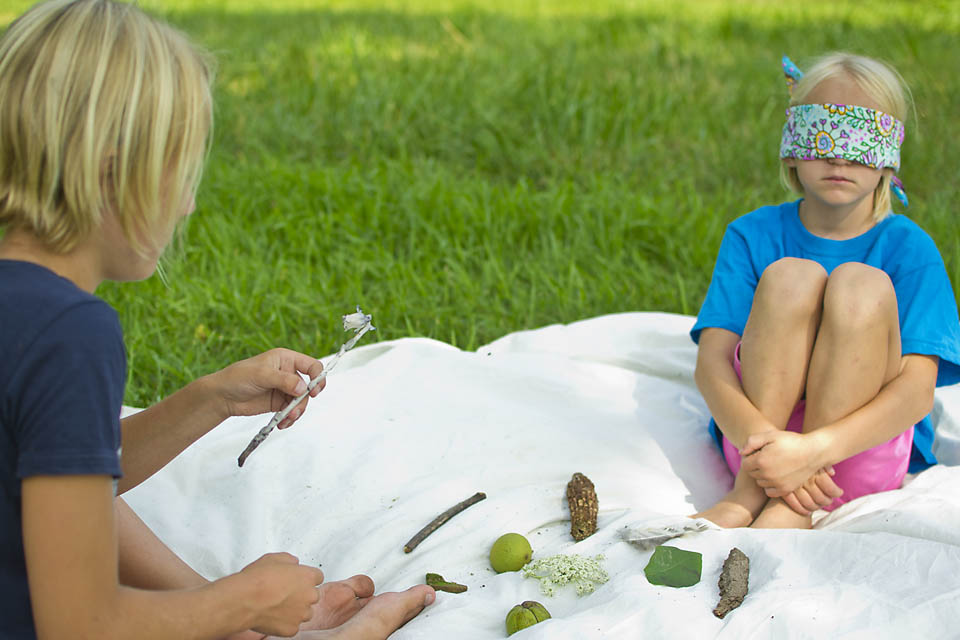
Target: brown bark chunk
<point x="733" y="582"/>
<point x="582" y="499"/>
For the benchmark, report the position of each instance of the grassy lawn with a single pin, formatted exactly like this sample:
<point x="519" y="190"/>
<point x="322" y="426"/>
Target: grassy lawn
<point x="464" y="169"/>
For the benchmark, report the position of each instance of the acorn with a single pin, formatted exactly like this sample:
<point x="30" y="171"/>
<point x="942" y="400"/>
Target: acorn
<point x="526" y="614"/>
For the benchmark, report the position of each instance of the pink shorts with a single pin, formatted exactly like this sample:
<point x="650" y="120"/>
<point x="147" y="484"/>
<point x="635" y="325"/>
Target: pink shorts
<point x="881" y="468"/>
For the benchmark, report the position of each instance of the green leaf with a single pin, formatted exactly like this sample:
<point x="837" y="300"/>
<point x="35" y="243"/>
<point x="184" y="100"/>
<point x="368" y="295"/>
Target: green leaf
<point x="674" y="567"/>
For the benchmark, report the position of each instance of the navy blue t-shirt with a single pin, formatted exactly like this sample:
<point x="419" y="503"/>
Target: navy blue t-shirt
<point x="927" y="309"/>
<point x="62" y="373"/>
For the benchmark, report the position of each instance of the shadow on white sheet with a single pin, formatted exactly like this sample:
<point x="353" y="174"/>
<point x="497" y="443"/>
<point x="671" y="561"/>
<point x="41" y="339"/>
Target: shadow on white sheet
<point x="405" y="429"/>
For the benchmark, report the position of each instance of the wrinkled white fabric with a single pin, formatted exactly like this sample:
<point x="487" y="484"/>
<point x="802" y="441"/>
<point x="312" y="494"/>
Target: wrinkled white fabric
<point x="407" y="428"/>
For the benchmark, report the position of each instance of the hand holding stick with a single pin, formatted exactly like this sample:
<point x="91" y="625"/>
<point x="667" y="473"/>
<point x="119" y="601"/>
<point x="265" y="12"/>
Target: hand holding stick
<point x="360" y="323"/>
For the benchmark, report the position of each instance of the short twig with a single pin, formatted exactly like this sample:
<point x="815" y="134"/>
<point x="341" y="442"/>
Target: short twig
<point x="436" y="581"/>
<point x="360" y="323"/>
<point x="440" y="519"/>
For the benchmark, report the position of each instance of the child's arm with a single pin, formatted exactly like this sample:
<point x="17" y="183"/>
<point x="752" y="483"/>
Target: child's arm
<point x="721" y="389"/>
<point x="739" y="419"/>
<point x="70" y="545"/>
<point x="263" y="383"/>
<point x="780" y="462"/>
<point x="145" y="562"/>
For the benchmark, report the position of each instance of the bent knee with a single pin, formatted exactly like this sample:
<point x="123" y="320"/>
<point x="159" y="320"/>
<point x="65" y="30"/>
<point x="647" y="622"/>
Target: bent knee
<point x="858" y="294"/>
<point x="792" y="285"/>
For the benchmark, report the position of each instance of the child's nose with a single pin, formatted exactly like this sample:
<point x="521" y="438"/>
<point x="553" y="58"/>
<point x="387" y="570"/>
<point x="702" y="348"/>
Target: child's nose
<point x="838" y="161"/>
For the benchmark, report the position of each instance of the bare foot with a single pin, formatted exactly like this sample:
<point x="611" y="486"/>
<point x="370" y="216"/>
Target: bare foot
<point x="339" y="601"/>
<point x="778" y="515"/>
<point x="740" y="507"/>
<point x="381" y="616"/>
<point x="727" y="514"/>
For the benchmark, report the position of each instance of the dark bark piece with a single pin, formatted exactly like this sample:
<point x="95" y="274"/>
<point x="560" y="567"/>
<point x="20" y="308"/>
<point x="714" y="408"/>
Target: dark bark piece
<point x="733" y="583"/>
<point x="582" y="500"/>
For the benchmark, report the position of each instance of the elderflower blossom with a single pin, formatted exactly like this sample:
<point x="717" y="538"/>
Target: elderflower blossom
<point x="559" y="570"/>
<point x="356" y="321"/>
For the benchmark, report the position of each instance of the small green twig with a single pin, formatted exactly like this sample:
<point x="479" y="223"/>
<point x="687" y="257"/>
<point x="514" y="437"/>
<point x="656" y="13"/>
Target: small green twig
<point x="436" y="581"/>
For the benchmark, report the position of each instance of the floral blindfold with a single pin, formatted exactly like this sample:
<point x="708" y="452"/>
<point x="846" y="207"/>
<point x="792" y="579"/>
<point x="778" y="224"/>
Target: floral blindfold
<point x="858" y="134"/>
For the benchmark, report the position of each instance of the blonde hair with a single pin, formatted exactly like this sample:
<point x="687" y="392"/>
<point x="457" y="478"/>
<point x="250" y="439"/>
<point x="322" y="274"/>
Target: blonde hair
<point x="101" y="107"/>
<point x="878" y="80"/>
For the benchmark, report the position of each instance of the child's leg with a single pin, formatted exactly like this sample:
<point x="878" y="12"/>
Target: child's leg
<point x="779" y="337"/>
<point x="857" y="351"/>
<point x="774" y="354"/>
<point x="858" y="347"/>
<point x="739" y="507"/>
<point x="777" y="514"/>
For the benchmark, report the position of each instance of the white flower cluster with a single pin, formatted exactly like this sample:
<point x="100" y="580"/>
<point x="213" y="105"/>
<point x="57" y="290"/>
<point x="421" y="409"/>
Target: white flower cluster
<point x="560" y="570"/>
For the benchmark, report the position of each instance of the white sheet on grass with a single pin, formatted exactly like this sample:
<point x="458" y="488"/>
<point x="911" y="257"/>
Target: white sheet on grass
<point x="406" y="429"/>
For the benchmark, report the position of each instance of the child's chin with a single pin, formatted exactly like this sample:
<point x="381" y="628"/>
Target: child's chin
<point x="136" y="273"/>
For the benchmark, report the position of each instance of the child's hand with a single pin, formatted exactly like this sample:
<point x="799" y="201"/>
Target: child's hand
<point x="817" y="492"/>
<point x="266" y="382"/>
<point x="283" y="593"/>
<point x="780" y="461"/>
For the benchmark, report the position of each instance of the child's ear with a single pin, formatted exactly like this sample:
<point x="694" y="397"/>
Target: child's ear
<point x="789" y="162"/>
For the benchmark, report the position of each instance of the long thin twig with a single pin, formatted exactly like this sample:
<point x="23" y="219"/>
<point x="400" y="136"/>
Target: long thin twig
<point x="440" y="519"/>
<point x="357" y="321"/>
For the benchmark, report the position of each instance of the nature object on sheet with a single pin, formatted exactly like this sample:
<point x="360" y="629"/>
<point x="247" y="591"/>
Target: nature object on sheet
<point x="582" y="500"/>
<point x="652" y="533"/>
<point x="733" y="582"/>
<point x="436" y="581"/>
<point x="510" y="552"/>
<point x="567" y="569"/>
<point x="434" y="524"/>
<point x="526" y="614"/>
<point x="359" y="323"/>
<point x="674" y="567"/>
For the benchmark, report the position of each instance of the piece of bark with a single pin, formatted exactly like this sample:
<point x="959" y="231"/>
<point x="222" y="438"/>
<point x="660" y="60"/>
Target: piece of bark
<point x="582" y="500"/>
<point x="440" y="519"/>
<point x="436" y="581"/>
<point x="733" y="583"/>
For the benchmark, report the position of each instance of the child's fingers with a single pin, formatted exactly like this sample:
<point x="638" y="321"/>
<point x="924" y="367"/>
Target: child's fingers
<point x="304" y="363"/>
<point x="794" y="501"/>
<point x="826" y="484"/>
<point x="294" y="415"/>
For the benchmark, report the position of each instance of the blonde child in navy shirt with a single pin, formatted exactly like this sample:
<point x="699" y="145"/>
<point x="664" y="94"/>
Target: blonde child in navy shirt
<point x="105" y="114"/>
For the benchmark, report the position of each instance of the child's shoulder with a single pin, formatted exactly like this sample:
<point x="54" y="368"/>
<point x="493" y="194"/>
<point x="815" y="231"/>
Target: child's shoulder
<point x="32" y="298"/>
<point x="909" y="237"/>
<point x="766" y="218"/>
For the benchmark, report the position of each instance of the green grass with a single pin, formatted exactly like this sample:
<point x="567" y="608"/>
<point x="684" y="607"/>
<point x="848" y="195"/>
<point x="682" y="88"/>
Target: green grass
<point x="464" y="169"/>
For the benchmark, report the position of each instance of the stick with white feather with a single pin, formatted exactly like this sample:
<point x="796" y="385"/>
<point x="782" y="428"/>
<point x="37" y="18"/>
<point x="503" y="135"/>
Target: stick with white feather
<point x="360" y="323"/>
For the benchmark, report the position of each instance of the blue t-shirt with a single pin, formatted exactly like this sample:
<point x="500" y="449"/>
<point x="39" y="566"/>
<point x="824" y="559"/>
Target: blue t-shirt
<point x="62" y="373"/>
<point x="928" y="311"/>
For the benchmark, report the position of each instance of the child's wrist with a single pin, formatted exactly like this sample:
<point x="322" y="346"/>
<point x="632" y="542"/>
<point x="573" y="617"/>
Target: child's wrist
<point x="821" y="442"/>
<point x="210" y="397"/>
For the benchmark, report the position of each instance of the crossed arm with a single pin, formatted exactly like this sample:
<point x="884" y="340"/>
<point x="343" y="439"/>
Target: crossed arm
<point x="797" y="467"/>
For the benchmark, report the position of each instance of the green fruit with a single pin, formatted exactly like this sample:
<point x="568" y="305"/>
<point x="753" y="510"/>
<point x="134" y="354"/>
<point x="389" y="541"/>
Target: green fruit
<point x="526" y="614"/>
<point x="510" y="552"/>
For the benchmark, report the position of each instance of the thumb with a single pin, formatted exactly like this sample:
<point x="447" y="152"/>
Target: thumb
<point x="756" y="442"/>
